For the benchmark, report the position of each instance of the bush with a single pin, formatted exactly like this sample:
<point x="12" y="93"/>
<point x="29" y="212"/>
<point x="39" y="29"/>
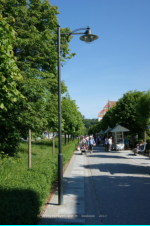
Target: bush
<point x="43" y="137"/>
<point x="27" y="189"/>
<point x="9" y="137"/>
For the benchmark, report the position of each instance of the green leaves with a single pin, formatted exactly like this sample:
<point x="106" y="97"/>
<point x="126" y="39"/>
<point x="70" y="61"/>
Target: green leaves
<point x="2" y="106"/>
<point x="73" y="123"/>
<point x="9" y="73"/>
<point x="28" y="70"/>
<point x="131" y="111"/>
<point x="143" y="111"/>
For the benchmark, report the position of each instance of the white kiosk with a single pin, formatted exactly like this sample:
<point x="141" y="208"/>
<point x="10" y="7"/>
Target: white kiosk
<point x="118" y="134"/>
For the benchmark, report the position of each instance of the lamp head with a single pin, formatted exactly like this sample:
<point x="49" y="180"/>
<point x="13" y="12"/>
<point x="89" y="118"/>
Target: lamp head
<point x="88" y="37"/>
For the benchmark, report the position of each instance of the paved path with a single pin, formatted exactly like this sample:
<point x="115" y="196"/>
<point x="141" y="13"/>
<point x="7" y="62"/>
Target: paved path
<point x="103" y="188"/>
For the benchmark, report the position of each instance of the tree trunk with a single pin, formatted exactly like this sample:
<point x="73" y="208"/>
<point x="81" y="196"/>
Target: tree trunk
<point x="68" y="138"/>
<point x="29" y="149"/>
<point x="78" y="139"/>
<point x="144" y="133"/>
<point x="65" y="139"/>
<point x="53" y="144"/>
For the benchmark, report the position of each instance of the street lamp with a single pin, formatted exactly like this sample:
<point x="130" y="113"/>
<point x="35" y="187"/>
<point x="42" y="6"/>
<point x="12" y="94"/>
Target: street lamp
<point x="88" y="37"/>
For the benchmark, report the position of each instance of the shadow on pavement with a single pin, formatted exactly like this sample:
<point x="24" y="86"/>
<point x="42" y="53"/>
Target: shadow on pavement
<point x="18" y="206"/>
<point x="119" y="168"/>
<point x="106" y="156"/>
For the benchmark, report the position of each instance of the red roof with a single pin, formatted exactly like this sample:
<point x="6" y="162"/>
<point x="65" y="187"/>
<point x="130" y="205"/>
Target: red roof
<point x="106" y="106"/>
<point x="101" y="112"/>
<point x="112" y="103"/>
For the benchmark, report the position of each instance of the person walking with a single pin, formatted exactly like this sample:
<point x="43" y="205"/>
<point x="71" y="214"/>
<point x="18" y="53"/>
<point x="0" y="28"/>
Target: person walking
<point x="110" y="143"/>
<point x="91" y="144"/>
<point x="87" y="140"/>
<point x="83" y="142"/>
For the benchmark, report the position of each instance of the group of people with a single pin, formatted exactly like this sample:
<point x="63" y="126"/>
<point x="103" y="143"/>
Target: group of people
<point x="92" y="141"/>
<point x="88" y="142"/>
<point x="108" y="143"/>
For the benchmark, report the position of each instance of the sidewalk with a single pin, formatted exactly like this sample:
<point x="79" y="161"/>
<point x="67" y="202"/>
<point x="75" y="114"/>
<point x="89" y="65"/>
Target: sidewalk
<point x="102" y="188"/>
<point x="73" y="208"/>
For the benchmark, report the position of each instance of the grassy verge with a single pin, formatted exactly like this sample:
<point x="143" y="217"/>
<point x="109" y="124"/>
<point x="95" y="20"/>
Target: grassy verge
<point x="23" y="191"/>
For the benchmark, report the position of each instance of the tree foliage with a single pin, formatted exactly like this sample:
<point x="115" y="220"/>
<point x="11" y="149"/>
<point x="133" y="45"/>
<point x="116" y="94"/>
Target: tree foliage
<point x="125" y="111"/>
<point x="9" y="72"/>
<point x="89" y="122"/>
<point x="131" y="111"/>
<point x="143" y="111"/>
<point x="35" y="48"/>
<point x="73" y="123"/>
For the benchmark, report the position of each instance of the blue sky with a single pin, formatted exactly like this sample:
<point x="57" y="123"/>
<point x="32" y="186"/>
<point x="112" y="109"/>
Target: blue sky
<point x="117" y="62"/>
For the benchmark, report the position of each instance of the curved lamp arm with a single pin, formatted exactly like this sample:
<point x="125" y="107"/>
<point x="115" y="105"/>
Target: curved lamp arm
<point x="74" y="33"/>
<point x="79" y="29"/>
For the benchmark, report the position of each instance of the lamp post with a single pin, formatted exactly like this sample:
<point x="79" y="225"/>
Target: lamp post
<point x="88" y="37"/>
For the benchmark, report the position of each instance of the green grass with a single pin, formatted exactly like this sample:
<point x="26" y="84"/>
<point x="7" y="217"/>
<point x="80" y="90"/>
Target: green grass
<point x="23" y="191"/>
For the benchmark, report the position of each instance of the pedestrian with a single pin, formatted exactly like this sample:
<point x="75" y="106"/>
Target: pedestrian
<point x="106" y="144"/>
<point x="126" y="142"/>
<point x="110" y="143"/>
<point x="87" y="140"/>
<point x="83" y="142"/>
<point x="91" y="144"/>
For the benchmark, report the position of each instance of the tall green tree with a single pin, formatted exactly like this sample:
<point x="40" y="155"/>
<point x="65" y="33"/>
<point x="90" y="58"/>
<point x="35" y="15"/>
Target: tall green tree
<point x="95" y="128"/>
<point x="89" y="122"/>
<point x="35" y="23"/>
<point x="9" y="72"/>
<point x="126" y="114"/>
<point x="143" y="111"/>
<point x="109" y="119"/>
<point x="73" y="122"/>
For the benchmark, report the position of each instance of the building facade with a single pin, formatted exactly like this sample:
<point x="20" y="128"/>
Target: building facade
<point x="109" y="105"/>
